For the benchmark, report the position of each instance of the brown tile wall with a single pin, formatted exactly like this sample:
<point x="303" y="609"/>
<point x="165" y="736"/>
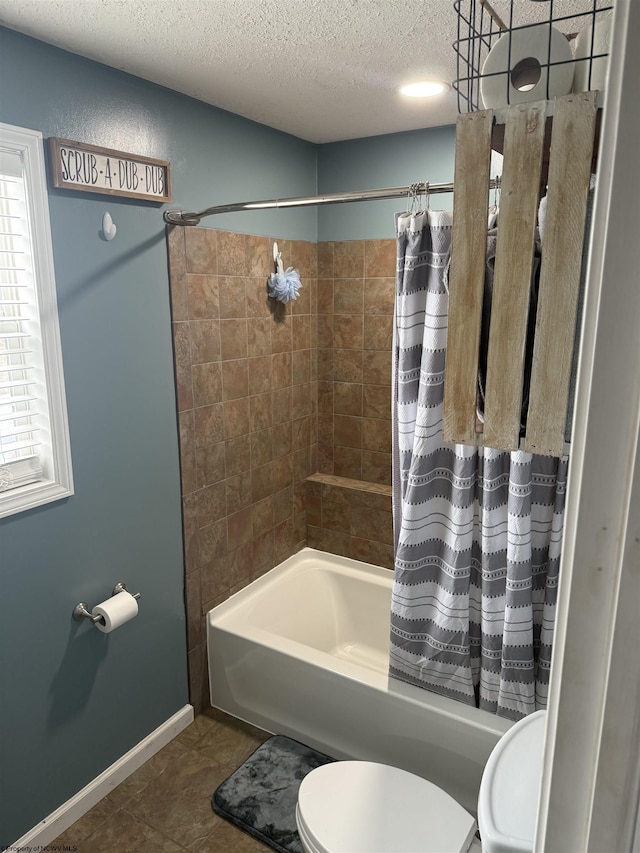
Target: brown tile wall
<point x="356" y="281"/>
<point x="351" y="518"/>
<point x="246" y="385"/>
<point x="269" y="394"/>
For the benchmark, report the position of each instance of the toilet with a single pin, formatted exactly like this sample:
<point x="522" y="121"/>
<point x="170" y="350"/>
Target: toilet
<point x="365" y="807"/>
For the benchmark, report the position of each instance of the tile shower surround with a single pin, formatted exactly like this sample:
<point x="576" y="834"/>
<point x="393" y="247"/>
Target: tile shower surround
<point x="269" y="394"/>
<point x="356" y="282"/>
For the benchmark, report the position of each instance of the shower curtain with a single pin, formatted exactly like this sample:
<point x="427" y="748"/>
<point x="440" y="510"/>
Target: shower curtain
<point x="477" y="531"/>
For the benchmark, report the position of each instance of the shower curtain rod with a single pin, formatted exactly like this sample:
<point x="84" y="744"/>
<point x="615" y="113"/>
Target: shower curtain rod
<point x="181" y="217"/>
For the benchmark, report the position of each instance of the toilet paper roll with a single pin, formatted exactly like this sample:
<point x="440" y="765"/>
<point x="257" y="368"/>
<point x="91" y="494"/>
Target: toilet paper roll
<point x="115" y="611"/>
<point x="583" y="52"/>
<point x="526" y="65"/>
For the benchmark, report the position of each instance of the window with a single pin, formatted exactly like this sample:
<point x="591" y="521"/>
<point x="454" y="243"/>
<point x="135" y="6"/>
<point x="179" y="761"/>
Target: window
<point x="35" y="457"/>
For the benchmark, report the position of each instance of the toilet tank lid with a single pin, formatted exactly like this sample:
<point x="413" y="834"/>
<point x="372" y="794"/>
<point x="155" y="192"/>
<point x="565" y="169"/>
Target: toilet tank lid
<point x="509" y="791"/>
<point x="366" y="807"/>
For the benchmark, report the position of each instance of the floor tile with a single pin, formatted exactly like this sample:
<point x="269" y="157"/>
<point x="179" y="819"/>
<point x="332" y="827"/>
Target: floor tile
<point x="88" y="823"/>
<point x="178" y="802"/>
<point x="229" y="839"/>
<point x="122" y="832"/>
<point x="224" y="738"/>
<point x="165" y="805"/>
<point x="147" y="773"/>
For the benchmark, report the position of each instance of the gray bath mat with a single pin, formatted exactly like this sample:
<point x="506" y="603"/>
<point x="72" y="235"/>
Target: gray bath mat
<point x="260" y="796"/>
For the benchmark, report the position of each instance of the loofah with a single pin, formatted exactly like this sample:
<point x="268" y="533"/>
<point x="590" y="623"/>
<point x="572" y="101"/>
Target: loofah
<point x="284" y="286"/>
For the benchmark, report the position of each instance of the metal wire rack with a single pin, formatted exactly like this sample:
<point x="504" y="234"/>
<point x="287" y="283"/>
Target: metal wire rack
<point x="479" y="26"/>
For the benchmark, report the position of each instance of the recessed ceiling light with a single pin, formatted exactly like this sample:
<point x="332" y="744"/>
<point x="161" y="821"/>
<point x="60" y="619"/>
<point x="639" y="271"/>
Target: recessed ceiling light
<point x="423" y="89"/>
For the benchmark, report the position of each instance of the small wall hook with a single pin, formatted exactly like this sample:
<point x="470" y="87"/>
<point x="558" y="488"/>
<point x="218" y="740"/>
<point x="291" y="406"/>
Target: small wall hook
<point x="277" y="259"/>
<point x="108" y="227"/>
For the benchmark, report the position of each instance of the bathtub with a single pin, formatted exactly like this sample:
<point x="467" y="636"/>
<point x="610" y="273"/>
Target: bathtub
<point x="303" y="651"/>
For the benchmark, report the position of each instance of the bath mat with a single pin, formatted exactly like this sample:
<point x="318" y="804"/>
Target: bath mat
<point x="260" y="796"/>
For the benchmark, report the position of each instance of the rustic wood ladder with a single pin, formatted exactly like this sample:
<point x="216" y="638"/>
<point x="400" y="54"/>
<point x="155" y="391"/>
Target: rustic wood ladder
<point x="569" y="169"/>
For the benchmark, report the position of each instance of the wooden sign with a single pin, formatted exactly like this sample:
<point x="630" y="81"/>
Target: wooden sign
<point x="93" y="169"/>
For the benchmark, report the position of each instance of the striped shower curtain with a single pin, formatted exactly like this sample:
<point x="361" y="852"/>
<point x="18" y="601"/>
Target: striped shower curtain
<point x="478" y="531"/>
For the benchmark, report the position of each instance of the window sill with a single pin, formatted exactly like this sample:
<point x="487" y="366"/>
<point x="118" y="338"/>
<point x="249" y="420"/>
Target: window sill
<point x="32" y="496"/>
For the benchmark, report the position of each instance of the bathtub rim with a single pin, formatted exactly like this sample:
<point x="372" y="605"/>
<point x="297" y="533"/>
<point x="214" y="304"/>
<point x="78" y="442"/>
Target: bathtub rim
<point x="222" y="618"/>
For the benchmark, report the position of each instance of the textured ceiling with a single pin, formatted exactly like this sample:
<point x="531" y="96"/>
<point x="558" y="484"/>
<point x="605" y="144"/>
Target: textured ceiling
<point x="323" y="70"/>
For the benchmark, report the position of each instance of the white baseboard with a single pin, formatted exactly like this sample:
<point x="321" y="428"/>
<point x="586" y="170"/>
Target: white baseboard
<point x="68" y="813"/>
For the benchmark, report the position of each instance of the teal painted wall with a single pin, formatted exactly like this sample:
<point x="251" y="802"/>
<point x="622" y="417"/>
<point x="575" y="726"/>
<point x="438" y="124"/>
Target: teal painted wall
<point x="74" y="700"/>
<point x="393" y="160"/>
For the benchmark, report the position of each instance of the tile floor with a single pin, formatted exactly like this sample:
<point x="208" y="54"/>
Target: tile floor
<point x="165" y="806"/>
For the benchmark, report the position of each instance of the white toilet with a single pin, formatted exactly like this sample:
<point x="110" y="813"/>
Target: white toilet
<point x="364" y="807"/>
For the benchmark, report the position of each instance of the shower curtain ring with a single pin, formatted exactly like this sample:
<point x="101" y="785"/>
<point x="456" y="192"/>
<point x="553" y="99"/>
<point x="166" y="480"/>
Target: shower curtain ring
<point x="413" y="197"/>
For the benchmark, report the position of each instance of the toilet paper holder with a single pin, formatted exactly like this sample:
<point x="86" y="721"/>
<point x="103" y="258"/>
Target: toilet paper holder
<point x="81" y="611"/>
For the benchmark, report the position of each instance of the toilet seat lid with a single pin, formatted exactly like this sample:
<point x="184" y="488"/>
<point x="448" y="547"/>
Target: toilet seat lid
<point x="364" y="807"/>
<point x="509" y="790"/>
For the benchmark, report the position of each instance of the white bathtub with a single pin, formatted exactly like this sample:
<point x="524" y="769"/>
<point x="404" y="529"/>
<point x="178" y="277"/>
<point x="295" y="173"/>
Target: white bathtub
<point x="303" y="651"/>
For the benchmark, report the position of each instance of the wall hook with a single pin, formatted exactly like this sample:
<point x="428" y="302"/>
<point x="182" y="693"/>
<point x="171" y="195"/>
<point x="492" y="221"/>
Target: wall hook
<point x="108" y="227"/>
<point x="277" y="259"/>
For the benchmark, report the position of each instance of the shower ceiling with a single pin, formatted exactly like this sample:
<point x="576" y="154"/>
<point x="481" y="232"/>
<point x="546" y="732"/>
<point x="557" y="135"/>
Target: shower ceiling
<point x="324" y="71"/>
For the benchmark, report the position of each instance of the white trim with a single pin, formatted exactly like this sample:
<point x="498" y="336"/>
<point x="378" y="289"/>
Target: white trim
<point x="618" y="779"/>
<point x="68" y="813"/>
<point x="58" y="482"/>
<point x="588" y="791"/>
<point x="33" y="495"/>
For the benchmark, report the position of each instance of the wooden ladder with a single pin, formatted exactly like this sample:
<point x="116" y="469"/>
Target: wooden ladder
<point x="569" y="171"/>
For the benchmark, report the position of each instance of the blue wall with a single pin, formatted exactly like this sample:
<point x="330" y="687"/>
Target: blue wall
<point x="394" y="160"/>
<point x="72" y="699"/>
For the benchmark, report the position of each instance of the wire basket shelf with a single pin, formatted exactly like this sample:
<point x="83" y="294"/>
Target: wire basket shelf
<point x="480" y="26"/>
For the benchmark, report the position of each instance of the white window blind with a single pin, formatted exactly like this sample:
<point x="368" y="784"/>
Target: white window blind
<point x="19" y="341"/>
<point x="34" y="450"/>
